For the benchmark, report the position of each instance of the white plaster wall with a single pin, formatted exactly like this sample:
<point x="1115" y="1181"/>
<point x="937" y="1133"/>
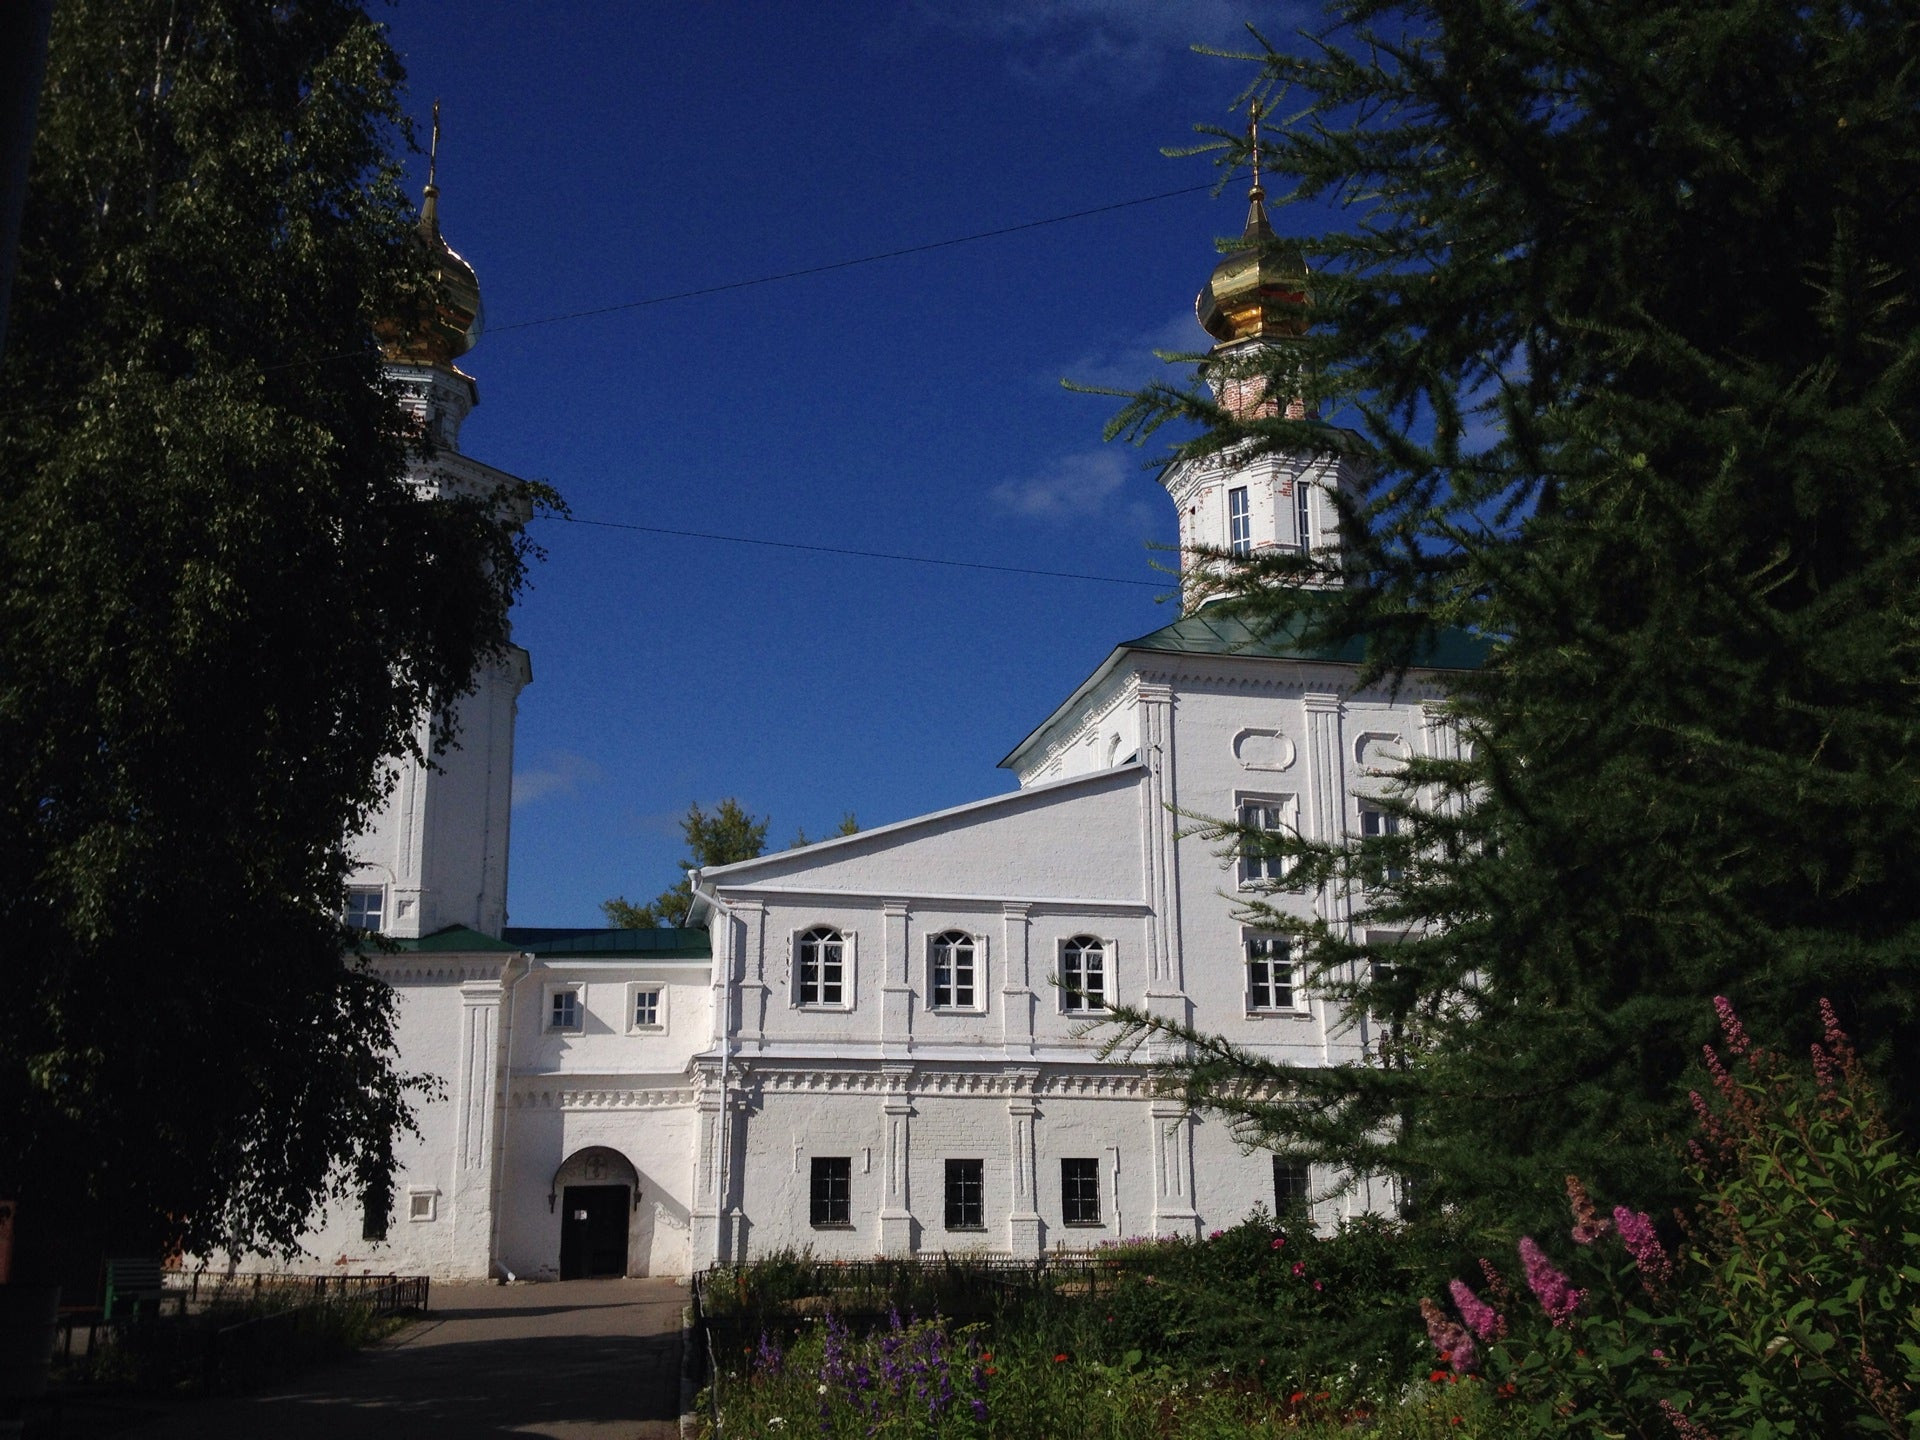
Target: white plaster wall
<point x="649" y="1120"/>
<point x="429" y="1028"/>
<point x="605" y="1044"/>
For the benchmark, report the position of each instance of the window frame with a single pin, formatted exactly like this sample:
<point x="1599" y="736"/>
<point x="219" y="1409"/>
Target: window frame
<point x="822" y="1201"/>
<point x="1296" y="1001"/>
<point x="1303" y="514"/>
<point x="637" y="988"/>
<point x="1388" y="824"/>
<point x="417" y="1213"/>
<point x="1286" y="1170"/>
<point x="1074" y="1197"/>
<point x="817" y="934"/>
<point x="976" y="986"/>
<point x="551" y="994"/>
<point x="1075" y="998"/>
<point x="1266" y="869"/>
<point x="361" y="892"/>
<point x="959" y="1181"/>
<point x="1240" y="521"/>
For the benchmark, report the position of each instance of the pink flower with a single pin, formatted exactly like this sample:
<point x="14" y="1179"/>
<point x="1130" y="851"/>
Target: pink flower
<point x="1552" y="1289"/>
<point x="1485" y="1321"/>
<point x="1682" y="1426"/>
<point x="1453" y="1343"/>
<point x="1650" y="1257"/>
<point x="1730" y="1025"/>
<point x="1216" y="1235"/>
<point x="1299" y="1268"/>
<point x="1318" y="1286"/>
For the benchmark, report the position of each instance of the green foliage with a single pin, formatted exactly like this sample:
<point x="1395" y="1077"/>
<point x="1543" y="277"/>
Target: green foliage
<point x="1626" y="330"/>
<point x="840" y="1382"/>
<point x="221" y="605"/>
<point x="849" y="825"/>
<point x="1793" y="1305"/>
<point x="727" y="835"/>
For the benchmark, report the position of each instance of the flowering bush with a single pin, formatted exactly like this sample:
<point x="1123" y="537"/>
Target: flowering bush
<point x="1789" y="1304"/>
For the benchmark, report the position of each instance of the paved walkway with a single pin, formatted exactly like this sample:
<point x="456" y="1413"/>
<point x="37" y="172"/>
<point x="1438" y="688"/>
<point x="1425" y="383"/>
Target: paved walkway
<point x="569" y="1360"/>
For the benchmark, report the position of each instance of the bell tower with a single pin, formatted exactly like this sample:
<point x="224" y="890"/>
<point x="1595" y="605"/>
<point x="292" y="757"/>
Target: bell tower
<point x="435" y="855"/>
<point x="1237" y="502"/>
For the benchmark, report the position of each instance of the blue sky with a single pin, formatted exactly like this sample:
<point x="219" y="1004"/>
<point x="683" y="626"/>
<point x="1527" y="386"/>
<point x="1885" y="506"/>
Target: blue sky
<point x="599" y="154"/>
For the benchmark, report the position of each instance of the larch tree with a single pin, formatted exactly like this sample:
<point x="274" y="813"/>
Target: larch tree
<point x="727" y="835"/>
<point x="1624" y="318"/>
<point x="221" y="605"/>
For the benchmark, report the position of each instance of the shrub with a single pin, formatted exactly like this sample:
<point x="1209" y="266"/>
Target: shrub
<point x="1787" y="1304"/>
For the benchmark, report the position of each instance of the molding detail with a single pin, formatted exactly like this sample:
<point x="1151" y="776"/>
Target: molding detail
<point x="558" y="1098"/>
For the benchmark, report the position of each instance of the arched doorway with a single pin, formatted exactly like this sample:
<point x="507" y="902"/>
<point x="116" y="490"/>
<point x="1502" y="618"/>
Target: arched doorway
<point x="596" y="1191"/>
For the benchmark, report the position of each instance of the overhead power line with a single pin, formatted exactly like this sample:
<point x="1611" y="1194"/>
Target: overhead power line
<point x="832" y="265"/>
<point x="861" y="554"/>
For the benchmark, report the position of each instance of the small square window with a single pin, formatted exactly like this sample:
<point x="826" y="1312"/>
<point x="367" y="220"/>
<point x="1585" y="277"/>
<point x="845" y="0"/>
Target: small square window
<point x="829" y="1204"/>
<point x="1080" y="1192"/>
<point x="564" y="1010"/>
<point x="422" y="1204"/>
<point x="366" y="907"/>
<point x="646" y="1009"/>
<point x="966" y="1208"/>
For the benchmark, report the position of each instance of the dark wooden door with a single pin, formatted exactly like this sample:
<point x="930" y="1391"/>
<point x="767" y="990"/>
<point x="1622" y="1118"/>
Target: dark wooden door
<point x="593" y="1231"/>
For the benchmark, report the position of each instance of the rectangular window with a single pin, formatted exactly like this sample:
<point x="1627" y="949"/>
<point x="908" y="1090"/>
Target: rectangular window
<point x="1270" y="973"/>
<point x="951" y="958"/>
<point x="1239" y="521"/>
<point x="1080" y="1192"/>
<point x="1377" y="825"/>
<point x="966" y="1208"/>
<point x="374" y="1214"/>
<point x="822" y="961"/>
<point x="829" y="1207"/>
<point x="1268" y="817"/>
<point x="646" y="1009"/>
<point x="366" y="907"/>
<point x="1083" y="974"/>
<point x="1303" y="514"/>
<point x="1292" y="1186"/>
<point x="564" y="1010"/>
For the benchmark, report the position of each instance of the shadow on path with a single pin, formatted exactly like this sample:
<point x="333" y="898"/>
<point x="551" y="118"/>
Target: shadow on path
<point x="572" y="1360"/>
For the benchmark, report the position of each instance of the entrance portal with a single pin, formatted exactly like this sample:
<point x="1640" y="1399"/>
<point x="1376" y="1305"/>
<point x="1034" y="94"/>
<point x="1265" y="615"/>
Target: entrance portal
<point x="593" y="1231"/>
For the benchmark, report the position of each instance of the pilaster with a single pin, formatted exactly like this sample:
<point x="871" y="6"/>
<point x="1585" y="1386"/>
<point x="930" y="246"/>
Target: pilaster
<point x="1173" y="1208"/>
<point x="480" y="1100"/>
<point x="746" y="959"/>
<point x="896" y="1214"/>
<point x="1165" y="981"/>
<point x="1023" y="1209"/>
<point x="703" y="1215"/>
<point x="896" y="981"/>
<point x="1016" y="989"/>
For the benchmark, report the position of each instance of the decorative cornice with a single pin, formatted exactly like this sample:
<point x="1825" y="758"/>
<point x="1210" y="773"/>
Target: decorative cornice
<point x="439" y="970"/>
<point x="556" y="1097"/>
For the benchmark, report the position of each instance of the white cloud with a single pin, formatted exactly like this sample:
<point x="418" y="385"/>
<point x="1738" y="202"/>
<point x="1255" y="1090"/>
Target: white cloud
<point x="1129" y="362"/>
<point x="1120" y="44"/>
<point x="562" y="772"/>
<point x="1080" y="484"/>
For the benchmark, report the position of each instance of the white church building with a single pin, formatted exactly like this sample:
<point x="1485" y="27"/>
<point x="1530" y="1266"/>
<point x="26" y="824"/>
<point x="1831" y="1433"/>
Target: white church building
<point x="885" y="1043"/>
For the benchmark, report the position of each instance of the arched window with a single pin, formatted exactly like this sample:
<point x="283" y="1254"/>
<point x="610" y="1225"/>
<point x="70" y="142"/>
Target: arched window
<point x="1083" y="971"/>
<point x="952" y="981"/>
<point x="822" y="965"/>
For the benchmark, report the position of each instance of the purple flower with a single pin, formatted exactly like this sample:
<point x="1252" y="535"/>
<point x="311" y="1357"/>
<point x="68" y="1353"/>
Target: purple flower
<point x="768" y="1358"/>
<point x="1650" y="1257"/>
<point x="1485" y="1321"/>
<point x="1552" y="1289"/>
<point x="1682" y="1426"/>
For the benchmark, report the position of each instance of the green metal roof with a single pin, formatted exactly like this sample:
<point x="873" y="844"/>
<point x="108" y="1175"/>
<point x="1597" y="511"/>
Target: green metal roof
<point x="660" y="943"/>
<point x="1211" y="632"/>
<point x="456" y="939"/>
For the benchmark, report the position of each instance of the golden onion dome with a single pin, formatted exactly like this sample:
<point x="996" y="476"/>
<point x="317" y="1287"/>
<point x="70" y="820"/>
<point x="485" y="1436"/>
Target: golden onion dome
<point x="451" y="319"/>
<point x="1258" y="288"/>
